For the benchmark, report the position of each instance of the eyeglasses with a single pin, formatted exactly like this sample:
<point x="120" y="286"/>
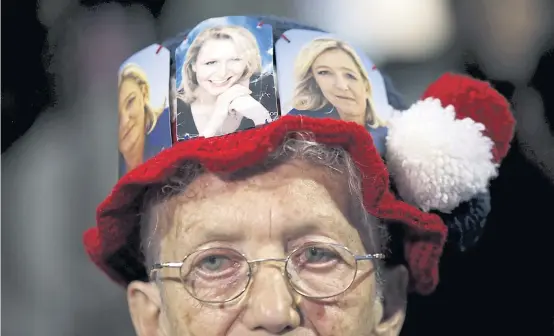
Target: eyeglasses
<point x="219" y="275"/>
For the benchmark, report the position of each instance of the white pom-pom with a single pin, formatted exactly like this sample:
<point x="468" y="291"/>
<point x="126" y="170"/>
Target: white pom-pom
<point x="435" y="160"/>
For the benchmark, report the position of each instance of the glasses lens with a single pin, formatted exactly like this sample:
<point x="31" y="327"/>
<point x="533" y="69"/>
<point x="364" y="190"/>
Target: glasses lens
<point x="215" y="275"/>
<point x="321" y="270"/>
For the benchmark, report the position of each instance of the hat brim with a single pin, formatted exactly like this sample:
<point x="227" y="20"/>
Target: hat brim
<point x="114" y="244"/>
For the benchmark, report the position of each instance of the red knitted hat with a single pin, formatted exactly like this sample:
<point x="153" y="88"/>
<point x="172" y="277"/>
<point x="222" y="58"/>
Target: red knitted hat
<point x="441" y="152"/>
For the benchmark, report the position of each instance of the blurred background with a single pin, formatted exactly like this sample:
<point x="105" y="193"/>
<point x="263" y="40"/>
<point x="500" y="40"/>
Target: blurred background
<point x="59" y="154"/>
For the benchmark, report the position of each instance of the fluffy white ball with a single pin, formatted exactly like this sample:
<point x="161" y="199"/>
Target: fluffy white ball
<point x="435" y="160"/>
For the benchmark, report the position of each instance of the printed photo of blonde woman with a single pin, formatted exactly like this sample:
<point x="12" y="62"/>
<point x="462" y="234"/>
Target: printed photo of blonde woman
<point x="329" y="73"/>
<point x="136" y="117"/>
<point x="216" y="93"/>
<point x="143" y="113"/>
<point x="322" y="76"/>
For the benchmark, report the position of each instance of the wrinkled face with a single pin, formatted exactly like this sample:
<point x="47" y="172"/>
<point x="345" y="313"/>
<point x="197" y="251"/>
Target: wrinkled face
<point x="266" y="216"/>
<point x="219" y="66"/>
<point x="341" y="82"/>
<point x="131" y="115"/>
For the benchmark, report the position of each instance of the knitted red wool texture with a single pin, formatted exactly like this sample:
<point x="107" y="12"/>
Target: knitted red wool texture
<point x="117" y="215"/>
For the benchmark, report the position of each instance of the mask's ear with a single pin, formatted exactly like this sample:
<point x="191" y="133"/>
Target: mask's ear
<point x="395" y="292"/>
<point x="145" y="307"/>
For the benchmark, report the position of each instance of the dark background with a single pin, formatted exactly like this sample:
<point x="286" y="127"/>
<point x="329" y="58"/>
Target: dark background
<point x="502" y="285"/>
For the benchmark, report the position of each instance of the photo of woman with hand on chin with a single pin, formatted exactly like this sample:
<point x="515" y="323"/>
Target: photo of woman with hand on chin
<point x="218" y="71"/>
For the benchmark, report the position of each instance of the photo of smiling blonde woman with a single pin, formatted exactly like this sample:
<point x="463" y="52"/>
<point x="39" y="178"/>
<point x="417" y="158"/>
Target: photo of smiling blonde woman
<point x="220" y="72"/>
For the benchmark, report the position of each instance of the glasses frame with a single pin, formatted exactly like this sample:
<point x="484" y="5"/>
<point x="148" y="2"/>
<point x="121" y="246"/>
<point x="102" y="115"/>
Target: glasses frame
<point x="253" y="262"/>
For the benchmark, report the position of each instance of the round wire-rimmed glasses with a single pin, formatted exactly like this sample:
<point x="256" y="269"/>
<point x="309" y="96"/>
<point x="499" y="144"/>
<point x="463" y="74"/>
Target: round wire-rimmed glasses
<point x="220" y="274"/>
